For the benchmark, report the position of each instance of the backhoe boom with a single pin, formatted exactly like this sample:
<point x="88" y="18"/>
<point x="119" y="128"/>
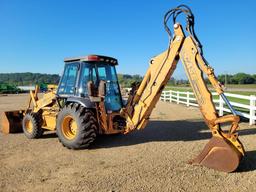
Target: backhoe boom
<point x="224" y="150"/>
<point x="150" y="89"/>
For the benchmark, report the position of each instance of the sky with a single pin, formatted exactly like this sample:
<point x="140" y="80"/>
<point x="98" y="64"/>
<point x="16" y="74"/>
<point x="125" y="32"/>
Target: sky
<point x="36" y="36"/>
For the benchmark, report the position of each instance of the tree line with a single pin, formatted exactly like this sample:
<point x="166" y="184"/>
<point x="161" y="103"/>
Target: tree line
<point x="9" y="81"/>
<point x="24" y="79"/>
<point x="239" y="78"/>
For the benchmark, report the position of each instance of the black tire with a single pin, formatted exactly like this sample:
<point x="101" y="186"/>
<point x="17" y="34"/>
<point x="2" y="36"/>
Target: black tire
<point x="35" y="131"/>
<point x="86" y="126"/>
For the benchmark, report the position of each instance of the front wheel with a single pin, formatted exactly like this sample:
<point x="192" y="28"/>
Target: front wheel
<point x="76" y="126"/>
<point x="31" y="125"/>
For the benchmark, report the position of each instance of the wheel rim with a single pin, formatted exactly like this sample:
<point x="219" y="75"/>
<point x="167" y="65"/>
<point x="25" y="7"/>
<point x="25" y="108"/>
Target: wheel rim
<point x="69" y="127"/>
<point x="29" y="126"/>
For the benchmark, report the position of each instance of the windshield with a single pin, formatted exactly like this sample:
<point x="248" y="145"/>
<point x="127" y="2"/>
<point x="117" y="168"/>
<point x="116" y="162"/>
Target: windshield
<point x="96" y="73"/>
<point x="68" y="80"/>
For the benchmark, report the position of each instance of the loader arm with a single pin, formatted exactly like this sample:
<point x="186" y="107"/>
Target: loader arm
<point x="224" y="151"/>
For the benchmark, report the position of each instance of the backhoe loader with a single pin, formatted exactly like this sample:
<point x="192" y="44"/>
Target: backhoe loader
<point x="87" y="101"/>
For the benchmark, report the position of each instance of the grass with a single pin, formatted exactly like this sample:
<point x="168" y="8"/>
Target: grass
<point x="237" y="86"/>
<point x="244" y="86"/>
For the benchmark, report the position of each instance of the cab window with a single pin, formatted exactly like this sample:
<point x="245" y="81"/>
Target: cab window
<point x="68" y="81"/>
<point x="88" y="74"/>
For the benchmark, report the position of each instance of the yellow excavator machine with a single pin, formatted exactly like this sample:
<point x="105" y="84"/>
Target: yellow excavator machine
<point x="88" y="102"/>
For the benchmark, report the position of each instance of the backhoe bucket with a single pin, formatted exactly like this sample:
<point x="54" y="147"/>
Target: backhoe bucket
<point x="11" y="121"/>
<point x="219" y="154"/>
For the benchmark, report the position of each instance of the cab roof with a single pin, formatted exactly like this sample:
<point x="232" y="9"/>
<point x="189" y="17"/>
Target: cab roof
<point x="93" y="58"/>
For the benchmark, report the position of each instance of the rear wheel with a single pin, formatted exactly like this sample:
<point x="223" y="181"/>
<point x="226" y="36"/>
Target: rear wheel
<point x="76" y="126"/>
<point x="31" y="125"/>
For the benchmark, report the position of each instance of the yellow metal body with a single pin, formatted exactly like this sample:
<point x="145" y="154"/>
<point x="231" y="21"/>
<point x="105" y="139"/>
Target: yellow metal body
<point x="11" y="121"/>
<point x="46" y="105"/>
<point x="162" y="66"/>
<point x="105" y="120"/>
<point x="195" y="66"/>
<point x="159" y="72"/>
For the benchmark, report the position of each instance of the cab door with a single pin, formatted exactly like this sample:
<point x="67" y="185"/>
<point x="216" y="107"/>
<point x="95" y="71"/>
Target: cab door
<point x="67" y="85"/>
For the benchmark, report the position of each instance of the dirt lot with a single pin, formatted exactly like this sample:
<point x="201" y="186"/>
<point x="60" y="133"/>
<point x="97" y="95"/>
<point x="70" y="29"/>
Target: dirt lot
<point x="153" y="159"/>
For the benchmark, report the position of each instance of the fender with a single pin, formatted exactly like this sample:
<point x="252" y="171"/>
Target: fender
<point x="85" y="102"/>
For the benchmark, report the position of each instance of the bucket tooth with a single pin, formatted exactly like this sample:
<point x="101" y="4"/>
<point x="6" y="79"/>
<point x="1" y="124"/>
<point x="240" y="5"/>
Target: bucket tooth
<point x="219" y="154"/>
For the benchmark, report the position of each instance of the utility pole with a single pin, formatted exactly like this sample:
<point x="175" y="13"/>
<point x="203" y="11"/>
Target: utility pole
<point x="226" y="80"/>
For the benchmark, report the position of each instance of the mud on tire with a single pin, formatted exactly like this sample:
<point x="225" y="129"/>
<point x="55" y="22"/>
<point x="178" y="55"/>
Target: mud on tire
<point x="76" y="126"/>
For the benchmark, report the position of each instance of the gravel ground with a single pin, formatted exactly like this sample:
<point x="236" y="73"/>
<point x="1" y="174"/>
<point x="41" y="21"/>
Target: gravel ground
<point x="153" y="159"/>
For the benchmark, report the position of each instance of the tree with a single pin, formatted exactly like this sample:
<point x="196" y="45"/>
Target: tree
<point x="243" y="78"/>
<point x="126" y="80"/>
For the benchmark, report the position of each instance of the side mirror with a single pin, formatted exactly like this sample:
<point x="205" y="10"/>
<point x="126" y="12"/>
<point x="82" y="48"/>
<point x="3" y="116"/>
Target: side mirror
<point x="102" y="89"/>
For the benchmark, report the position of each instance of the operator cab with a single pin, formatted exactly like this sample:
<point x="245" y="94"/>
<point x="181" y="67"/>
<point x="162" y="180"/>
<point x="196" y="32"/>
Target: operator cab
<point x="93" y="68"/>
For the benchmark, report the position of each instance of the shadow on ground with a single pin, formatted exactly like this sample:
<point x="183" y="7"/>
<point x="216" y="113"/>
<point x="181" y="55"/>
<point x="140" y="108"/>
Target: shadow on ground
<point x="248" y="163"/>
<point x="157" y="131"/>
<point x="249" y="131"/>
<point x="48" y="135"/>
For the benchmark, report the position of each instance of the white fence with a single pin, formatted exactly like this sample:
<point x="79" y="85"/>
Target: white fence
<point x="244" y="110"/>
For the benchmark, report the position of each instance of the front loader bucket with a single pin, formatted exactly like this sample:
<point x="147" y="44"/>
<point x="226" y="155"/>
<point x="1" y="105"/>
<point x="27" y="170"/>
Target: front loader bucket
<point x="11" y="121"/>
<point x="219" y="154"/>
